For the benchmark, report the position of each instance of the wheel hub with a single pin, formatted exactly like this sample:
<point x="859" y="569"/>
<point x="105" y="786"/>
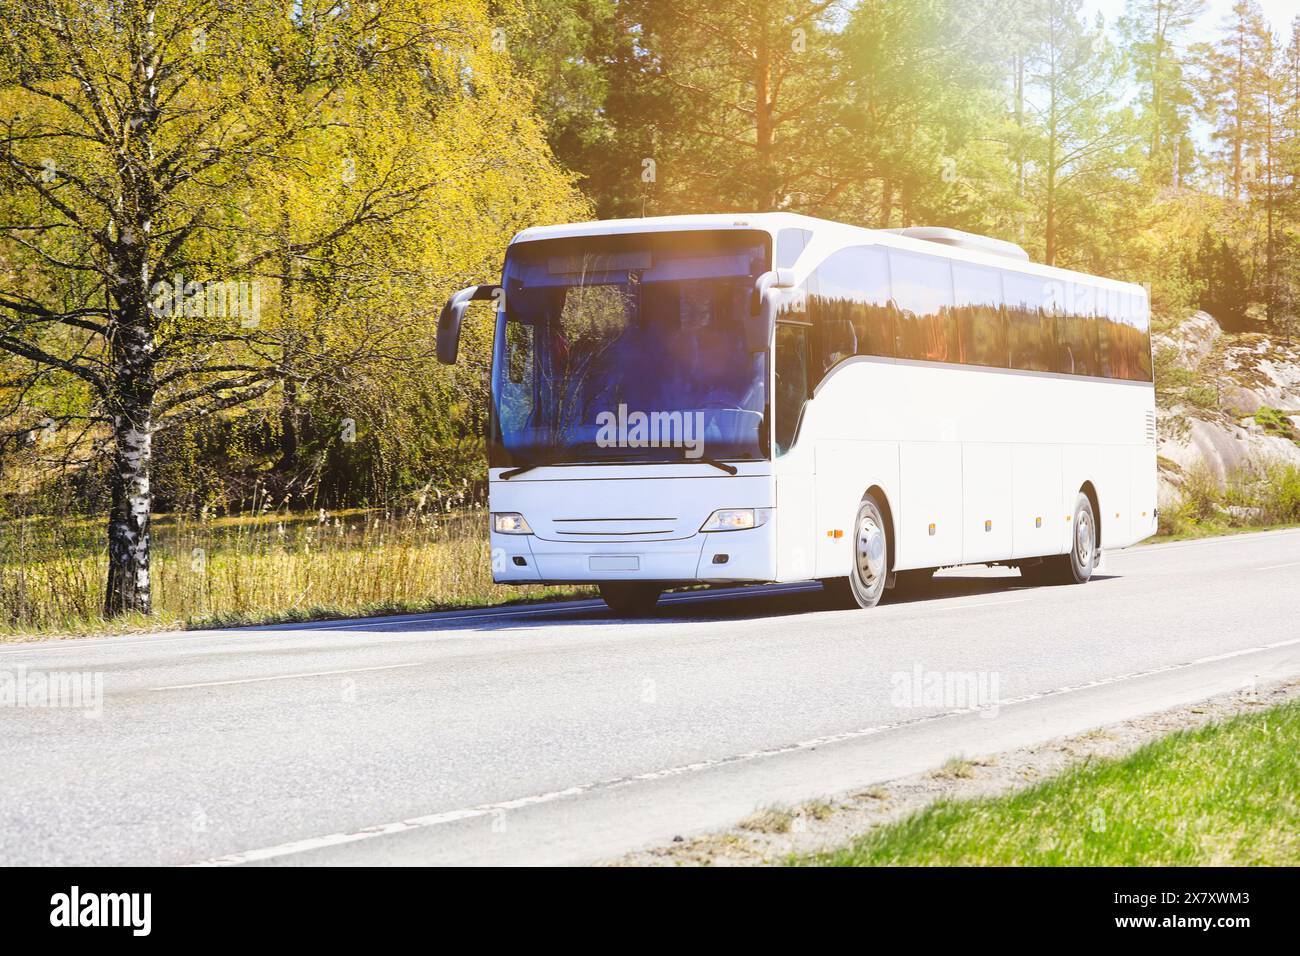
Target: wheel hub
<point x="870" y="550"/>
<point x="1084" y="540"/>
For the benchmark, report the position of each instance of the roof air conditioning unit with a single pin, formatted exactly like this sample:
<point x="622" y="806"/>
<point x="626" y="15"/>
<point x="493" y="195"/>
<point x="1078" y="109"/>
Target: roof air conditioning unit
<point x="963" y="240"/>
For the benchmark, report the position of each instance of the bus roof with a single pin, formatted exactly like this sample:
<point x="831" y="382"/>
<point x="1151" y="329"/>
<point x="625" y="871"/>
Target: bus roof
<point x="827" y="236"/>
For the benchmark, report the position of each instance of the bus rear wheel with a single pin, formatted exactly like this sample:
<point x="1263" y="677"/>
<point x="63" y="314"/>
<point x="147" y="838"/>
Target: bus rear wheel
<point x="1076" y="566"/>
<point x="630" y="598"/>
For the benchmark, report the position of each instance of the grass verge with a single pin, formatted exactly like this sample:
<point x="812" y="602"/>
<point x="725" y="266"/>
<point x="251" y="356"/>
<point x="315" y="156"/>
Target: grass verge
<point x="1223" y="794"/>
<point x="266" y="568"/>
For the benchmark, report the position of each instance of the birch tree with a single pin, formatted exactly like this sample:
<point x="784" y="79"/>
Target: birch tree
<point x="142" y="143"/>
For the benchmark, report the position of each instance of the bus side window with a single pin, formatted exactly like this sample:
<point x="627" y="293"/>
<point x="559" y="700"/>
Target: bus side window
<point x="1031" y="325"/>
<point x="791" y="386"/>
<point x="981" y="318"/>
<point x="1140" y="314"/>
<point x="1125" y="336"/>
<point x="922" y="287"/>
<point x="849" y="307"/>
<point x="790" y="244"/>
<point x="1077" y="328"/>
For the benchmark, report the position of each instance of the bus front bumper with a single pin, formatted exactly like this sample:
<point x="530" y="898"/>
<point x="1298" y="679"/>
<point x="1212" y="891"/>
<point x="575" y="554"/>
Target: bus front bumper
<point x="704" y="557"/>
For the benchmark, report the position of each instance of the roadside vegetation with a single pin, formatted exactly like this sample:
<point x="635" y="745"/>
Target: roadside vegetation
<point x="1223" y="794"/>
<point x="1249" y="499"/>
<point x="260" y="566"/>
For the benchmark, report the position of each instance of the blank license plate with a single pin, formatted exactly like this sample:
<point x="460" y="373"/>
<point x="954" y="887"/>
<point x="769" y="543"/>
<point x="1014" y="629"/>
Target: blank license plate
<point x="614" y="562"/>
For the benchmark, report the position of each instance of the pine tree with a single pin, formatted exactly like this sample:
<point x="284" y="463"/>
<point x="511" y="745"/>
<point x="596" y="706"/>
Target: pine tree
<point x="1152" y="30"/>
<point x="1230" y="92"/>
<point x="1072" y="78"/>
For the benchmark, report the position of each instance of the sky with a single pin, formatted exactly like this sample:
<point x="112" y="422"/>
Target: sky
<point x="1278" y="12"/>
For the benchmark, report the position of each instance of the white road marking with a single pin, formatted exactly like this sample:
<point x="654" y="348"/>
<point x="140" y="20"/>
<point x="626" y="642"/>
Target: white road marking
<point x="1274" y="567"/>
<point x="487" y="809"/>
<point x="256" y="680"/>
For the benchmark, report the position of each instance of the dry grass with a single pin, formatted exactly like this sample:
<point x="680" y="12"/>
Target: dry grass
<point x="769" y="820"/>
<point x="251" y="569"/>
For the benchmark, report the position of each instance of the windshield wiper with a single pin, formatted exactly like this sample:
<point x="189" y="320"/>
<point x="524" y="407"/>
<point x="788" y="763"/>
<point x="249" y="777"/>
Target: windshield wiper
<point x="529" y="466"/>
<point x="507" y="475"/>
<point x="720" y="465"/>
<point x="716" y="463"/>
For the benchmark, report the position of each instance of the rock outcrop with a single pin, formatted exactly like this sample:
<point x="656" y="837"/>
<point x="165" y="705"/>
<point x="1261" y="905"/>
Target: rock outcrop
<point x="1211" y="385"/>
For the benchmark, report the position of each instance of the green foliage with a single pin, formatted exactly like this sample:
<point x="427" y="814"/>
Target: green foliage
<point x="357" y="188"/>
<point x="1202" y="395"/>
<point x="1258" y="497"/>
<point x="1221" y="794"/>
<point x="1221" y="277"/>
<point x="1277" y="422"/>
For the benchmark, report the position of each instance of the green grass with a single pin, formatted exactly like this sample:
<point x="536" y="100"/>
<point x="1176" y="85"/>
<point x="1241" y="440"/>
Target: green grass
<point x="258" y="568"/>
<point x="1277" y="422"/>
<point x="1224" y="794"/>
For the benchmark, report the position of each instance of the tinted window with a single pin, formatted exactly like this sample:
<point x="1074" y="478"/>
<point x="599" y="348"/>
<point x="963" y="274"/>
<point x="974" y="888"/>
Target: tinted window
<point x="981" y="323"/>
<point x="869" y="301"/>
<point x="927" y="322"/>
<point x="1031" y="325"/>
<point x="849" y="306"/>
<point x="1077" y="328"/>
<point x="1125" y="334"/>
<point x="1140" y="315"/>
<point x="790" y="387"/>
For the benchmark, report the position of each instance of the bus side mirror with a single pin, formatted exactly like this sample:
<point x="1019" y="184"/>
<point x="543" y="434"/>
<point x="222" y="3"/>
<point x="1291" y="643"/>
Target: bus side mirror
<point x="453" y="313"/>
<point x="762" y="307"/>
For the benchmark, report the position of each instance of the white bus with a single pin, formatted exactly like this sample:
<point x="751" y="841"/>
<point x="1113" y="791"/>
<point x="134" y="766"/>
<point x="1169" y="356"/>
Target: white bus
<point x="776" y="398"/>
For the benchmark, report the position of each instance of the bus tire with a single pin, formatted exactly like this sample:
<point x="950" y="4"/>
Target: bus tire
<point x="1077" y="565"/>
<point x="870" y="567"/>
<point x="630" y="598"/>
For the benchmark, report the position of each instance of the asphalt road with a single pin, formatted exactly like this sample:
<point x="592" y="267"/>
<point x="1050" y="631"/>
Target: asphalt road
<point x="556" y="734"/>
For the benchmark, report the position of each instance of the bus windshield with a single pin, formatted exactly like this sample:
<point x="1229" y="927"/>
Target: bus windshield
<point x="629" y="348"/>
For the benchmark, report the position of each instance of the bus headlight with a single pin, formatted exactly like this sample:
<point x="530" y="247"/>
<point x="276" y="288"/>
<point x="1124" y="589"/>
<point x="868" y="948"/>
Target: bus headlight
<point x="736" y="519"/>
<point x="510" y="522"/>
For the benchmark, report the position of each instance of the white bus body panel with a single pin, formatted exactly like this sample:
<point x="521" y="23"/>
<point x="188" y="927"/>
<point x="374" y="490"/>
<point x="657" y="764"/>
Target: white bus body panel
<point x="1037" y="527"/>
<point x="956" y="447"/>
<point x="987" y="501"/>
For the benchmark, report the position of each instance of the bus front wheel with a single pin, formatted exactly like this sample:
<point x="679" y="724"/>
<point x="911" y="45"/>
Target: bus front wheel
<point x="865" y="584"/>
<point x="630" y="598"/>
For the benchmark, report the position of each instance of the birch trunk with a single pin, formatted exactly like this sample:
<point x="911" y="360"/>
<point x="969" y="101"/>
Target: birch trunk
<point x="129" y="585"/>
<point x="131" y="408"/>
